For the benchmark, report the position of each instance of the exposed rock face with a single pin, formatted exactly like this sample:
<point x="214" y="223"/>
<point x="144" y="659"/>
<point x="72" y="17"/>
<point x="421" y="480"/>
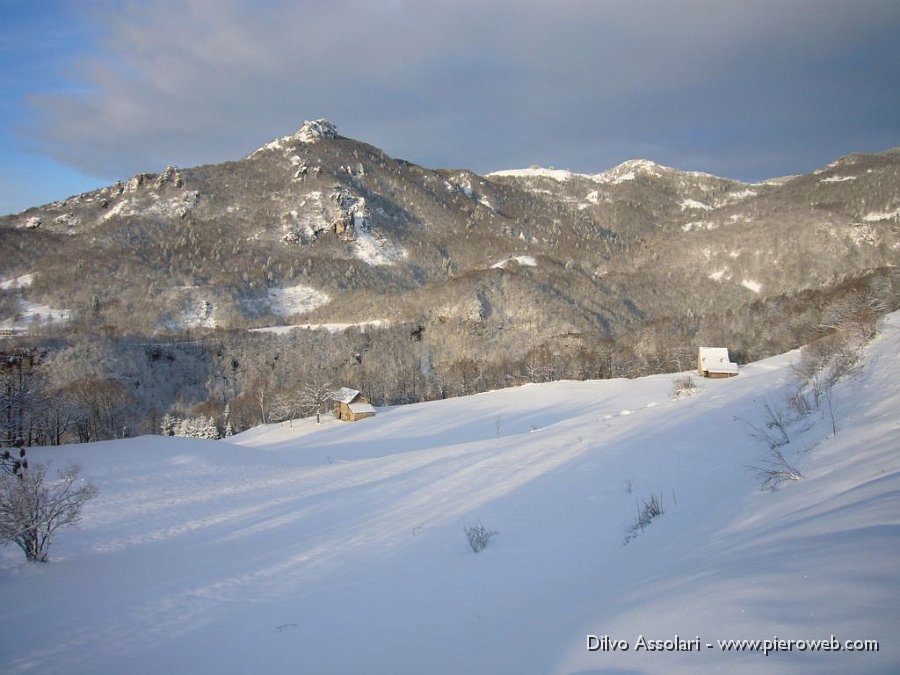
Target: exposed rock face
<point x="313" y="131"/>
<point x="170" y="175"/>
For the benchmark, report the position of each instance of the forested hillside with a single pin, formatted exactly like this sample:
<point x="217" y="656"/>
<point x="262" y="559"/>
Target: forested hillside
<point x="176" y="293"/>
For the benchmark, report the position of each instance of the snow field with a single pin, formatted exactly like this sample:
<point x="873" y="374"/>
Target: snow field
<point x="340" y="548"/>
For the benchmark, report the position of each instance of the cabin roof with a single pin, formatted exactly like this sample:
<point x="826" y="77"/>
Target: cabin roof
<point x="345" y="395"/>
<point x="361" y="408"/>
<point x="715" y="360"/>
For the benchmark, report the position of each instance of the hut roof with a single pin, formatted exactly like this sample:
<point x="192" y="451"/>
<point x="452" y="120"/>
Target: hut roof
<point x="345" y="395"/>
<point x="715" y="360"/>
<point x="361" y="408"/>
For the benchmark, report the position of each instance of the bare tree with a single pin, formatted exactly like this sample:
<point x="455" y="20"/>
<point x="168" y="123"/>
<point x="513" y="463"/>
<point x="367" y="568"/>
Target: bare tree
<point x="262" y="394"/>
<point x="829" y="398"/>
<point x="103" y="408"/>
<point x="315" y="395"/>
<point x="32" y="511"/>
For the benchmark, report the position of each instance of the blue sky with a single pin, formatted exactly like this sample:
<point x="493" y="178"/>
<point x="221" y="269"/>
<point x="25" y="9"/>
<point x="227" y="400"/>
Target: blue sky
<point x="98" y="90"/>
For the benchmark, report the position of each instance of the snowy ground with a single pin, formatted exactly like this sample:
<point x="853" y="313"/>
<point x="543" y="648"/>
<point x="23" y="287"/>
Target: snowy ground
<point x="297" y="299"/>
<point x="523" y="260"/>
<point x="376" y="250"/>
<point x="23" y="281"/>
<point x="29" y="313"/>
<point x="340" y="548"/>
<point x="330" y="327"/>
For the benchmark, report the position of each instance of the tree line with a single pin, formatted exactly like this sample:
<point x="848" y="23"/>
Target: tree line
<point x="97" y="387"/>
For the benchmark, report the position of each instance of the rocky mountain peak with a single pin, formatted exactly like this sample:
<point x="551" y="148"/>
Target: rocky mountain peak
<point x="309" y="132"/>
<point x="312" y="131"/>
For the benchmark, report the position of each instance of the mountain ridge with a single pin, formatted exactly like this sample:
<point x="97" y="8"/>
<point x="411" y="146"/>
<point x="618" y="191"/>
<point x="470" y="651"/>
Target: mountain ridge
<point x="313" y="227"/>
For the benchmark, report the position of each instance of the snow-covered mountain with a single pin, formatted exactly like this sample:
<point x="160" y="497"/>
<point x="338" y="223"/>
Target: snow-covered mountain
<point x="414" y="284"/>
<point x="615" y="251"/>
<point x="340" y="548"/>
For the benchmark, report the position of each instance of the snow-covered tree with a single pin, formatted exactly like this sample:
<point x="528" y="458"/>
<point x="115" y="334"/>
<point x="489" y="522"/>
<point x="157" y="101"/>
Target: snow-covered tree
<point x="197" y="427"/>
<point x="168" y="425"/>
<point x="31" y="511"/>
<point x="227" y="422"/>
<point x="314" y="396"/>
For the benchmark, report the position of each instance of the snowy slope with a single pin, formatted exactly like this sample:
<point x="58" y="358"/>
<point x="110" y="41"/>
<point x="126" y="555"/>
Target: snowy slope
<point x="340" y="548"/>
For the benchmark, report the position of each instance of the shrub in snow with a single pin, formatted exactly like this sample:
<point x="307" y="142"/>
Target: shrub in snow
<point x="773" y="432"/>
<point x="798" y="402"/>
<point x="774" y="428"/>
<point x="650" y="509"/>
<point x="31" y="510"/>
<point x="776" y="470"/>
<point x="478" y="536"/>
<point x="684" y="387"/>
